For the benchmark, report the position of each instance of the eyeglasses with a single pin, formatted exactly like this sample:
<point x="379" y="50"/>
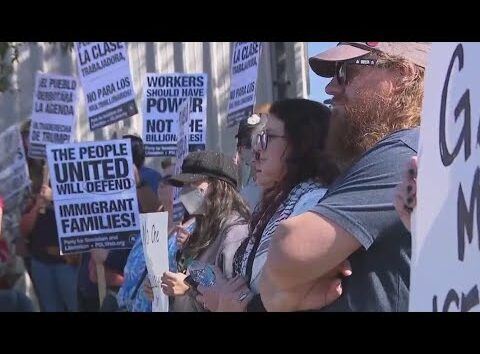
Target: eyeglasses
<point x="341" y="68"/>
<point x="261" y="140"/>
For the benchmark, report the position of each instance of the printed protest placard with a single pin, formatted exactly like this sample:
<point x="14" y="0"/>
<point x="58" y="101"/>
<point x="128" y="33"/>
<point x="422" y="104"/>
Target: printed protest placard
<point x="13" y="163"/>
<point x="445" y="235"/>
<point x="243" y="80"/>
<point x="106" y="80"/>
<point x="53" y="114"/>
<point x="162" y="97"/>
<point x="94" y="194"/>
<point x="155" y="248"/>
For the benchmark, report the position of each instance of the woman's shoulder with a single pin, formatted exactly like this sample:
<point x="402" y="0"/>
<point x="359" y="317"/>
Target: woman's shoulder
<point x="307" y="195"/>
<point x="235" y="219"/>
<point x="236" y="228"/>
<point x="307" y="188"/>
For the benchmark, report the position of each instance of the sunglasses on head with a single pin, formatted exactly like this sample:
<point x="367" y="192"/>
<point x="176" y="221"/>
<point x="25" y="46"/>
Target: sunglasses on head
<point x="261" y="140"/>
<point x="341" y="68"/>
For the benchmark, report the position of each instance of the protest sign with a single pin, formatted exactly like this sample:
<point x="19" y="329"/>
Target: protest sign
<point x="53" y="113"/>
<point x="106" y="80"/>
<point x="95" y="195"/>
<point x="163" y="95"/>
<point x="445" y="234"/>
<point x="154" y="241"/>
<point x="243" y="80"/>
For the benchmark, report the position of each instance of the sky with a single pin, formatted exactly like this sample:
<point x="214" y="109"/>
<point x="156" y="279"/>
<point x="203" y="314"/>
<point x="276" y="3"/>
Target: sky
<point x="317" y="83"/>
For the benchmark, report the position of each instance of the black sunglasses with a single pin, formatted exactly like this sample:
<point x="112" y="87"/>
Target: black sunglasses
<point x="341" y="68"/>
<point x="261" y="140"/>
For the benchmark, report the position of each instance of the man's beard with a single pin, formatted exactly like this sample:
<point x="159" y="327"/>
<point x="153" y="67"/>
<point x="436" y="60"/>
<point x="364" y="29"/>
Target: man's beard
<point x="355" y="128"/>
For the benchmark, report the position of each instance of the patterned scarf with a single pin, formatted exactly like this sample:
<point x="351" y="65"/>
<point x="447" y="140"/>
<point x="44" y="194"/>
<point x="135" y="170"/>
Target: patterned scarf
<point x="253" y="247"/>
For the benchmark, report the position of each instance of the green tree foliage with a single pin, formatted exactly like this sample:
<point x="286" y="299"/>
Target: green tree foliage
<point x="9" y="55"/>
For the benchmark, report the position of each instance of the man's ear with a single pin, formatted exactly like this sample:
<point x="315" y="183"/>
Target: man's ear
<point x="404" y="72"/>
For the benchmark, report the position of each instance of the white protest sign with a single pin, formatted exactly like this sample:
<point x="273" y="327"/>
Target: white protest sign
<point x="445" y="237"/>
<point x="13" y="163"/>
<point x="94" y="194"/>
<point x="155" y="248"/>
<point x="106" y="80"/>
<point x="243" y="80"/>
<point x="181" y="152"/>
<point x="53" y="112"/>
<point x="162" y="97"/>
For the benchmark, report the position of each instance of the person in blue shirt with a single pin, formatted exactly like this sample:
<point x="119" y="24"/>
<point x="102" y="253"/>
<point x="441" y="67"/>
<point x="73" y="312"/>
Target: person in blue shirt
<point x="131" y="296"/>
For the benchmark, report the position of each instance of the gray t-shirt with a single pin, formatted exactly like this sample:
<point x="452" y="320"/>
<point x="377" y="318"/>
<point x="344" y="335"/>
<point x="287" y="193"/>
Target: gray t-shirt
<point x="361" y="201"/>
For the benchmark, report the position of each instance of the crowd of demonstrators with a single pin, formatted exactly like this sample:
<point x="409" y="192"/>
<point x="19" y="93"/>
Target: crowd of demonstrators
<point x="210" y="193"/>
<point x="311" y="213"/>
<point x="115" y="261"/>
<point x="53" y="275"/>
<point x="377" y="90"/>
<point x="294" y="170"/>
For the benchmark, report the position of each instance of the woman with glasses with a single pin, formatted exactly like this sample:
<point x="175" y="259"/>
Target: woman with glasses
<point x="293" y="170"/>
<point x="248" y="128"/>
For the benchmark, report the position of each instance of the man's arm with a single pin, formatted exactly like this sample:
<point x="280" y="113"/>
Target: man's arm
<point x="303" y="249"/>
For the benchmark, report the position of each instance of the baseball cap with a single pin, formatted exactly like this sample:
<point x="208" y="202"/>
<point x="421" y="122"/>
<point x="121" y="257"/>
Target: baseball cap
<point x="200" y="165"/>
<point x="323" y="64"/>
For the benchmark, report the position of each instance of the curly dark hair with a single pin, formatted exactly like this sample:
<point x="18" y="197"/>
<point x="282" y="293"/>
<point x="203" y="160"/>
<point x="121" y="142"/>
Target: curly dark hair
<point x="222" y="201"/>
<point x="306" y="126"/>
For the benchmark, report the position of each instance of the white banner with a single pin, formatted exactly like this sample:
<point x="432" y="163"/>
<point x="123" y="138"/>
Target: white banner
<point x="53" y="112"/>
<point x="155" y="248"/>
<point x="445" y="240"/>
<point x="95" y="195"/>
<point x="106" y="80"/>
<point x="13" y="163"/>
<point x="162" y="97"/>
<point x="243" y="81"/>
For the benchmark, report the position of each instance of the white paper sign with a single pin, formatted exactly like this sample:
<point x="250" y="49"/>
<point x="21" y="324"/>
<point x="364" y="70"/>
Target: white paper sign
<point x="445" y="264"/>
<point x="155" y="248"/>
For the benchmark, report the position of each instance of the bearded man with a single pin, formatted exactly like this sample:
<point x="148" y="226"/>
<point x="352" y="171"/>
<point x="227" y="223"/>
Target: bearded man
<point x="377" y="90"/>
